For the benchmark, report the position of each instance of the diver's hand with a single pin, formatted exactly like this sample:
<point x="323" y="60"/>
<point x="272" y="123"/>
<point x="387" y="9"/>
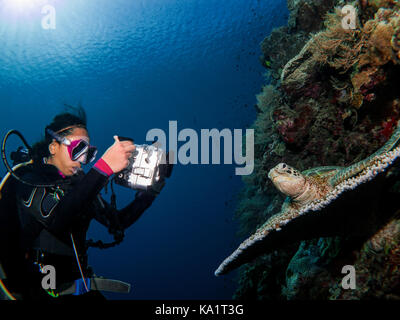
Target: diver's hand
<point x="118" y="154"/>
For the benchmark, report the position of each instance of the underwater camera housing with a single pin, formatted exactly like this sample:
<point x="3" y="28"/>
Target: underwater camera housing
<point x="143" y="170"/>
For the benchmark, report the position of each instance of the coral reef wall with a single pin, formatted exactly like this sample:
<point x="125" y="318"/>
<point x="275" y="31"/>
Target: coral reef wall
<point x="331" y="98"/>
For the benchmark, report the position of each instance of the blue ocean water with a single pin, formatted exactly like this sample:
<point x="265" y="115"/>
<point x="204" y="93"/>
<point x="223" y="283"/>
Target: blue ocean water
<point x="135" y="65"/>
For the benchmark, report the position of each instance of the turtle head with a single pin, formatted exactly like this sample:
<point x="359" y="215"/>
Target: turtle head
<point x="287" y="180"/>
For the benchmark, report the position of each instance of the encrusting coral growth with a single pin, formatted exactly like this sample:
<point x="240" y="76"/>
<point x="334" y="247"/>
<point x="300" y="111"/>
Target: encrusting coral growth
<point x="332" y="100"/>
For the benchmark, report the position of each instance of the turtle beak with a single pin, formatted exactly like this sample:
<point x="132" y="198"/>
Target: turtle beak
<point x="272" y="174"/>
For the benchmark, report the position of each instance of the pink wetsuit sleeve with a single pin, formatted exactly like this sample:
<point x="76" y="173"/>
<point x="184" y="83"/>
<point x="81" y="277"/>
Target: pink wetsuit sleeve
<point x="103" y="167"/>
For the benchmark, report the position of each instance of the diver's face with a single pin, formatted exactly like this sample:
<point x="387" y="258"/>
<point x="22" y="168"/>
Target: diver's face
<point x="60" y="156"/>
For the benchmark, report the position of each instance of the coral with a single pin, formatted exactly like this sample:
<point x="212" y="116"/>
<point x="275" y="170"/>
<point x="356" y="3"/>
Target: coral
<point x="307" y="15"/>
<point x="277" y="148"/>
<point x="306" y="273"/>
<point x="285" y="42"/>
<point x="262" y="279"/>
<point x="293" y="127"/>
<point x="299" y="69"/>
<point x="361" y="52"/>
<point x="377" y="267"/>
<point x="267" y="99"/>
<point x="336" y="46"/>
<point x="378" y="50"/>
<point x="279" y="47"/>
<point x="385" y="238"/>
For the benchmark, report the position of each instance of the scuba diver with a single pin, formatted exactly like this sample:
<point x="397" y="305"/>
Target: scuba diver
<point x="49" y="207"/>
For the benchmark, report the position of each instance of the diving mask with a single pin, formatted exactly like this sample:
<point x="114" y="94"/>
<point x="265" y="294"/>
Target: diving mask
<point x="78" y="150"/>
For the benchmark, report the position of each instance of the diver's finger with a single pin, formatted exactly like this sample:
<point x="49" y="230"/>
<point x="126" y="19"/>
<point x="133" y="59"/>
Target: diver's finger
<point x="116" y="139"/>
<point x="126" y="143"/>
<point x="129" y="150"/>
<point x="128" y="147"/>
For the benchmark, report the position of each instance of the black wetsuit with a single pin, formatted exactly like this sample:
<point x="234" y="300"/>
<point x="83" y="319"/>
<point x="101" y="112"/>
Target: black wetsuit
<point x="48" y="216"/>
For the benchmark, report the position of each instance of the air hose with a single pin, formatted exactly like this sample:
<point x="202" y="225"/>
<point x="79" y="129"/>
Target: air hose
<point x="8" y="167"/>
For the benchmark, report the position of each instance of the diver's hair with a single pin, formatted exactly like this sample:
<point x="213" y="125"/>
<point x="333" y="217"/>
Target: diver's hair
<point x="73" y="117"/>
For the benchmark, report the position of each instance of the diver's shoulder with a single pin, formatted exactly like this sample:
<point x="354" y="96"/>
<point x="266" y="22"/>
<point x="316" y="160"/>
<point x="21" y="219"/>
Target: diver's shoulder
<point x="33" y="172"/>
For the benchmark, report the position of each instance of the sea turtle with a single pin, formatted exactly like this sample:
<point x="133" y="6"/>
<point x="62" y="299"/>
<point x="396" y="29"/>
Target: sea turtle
<point x="308" y="192"/>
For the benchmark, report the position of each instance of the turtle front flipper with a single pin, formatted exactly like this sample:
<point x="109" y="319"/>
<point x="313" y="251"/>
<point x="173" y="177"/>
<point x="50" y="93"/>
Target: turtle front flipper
<point x="321" y="171"/>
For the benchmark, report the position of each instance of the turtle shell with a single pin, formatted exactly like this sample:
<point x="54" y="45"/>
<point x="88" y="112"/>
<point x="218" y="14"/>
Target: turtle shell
<point x="322" y="172"/>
